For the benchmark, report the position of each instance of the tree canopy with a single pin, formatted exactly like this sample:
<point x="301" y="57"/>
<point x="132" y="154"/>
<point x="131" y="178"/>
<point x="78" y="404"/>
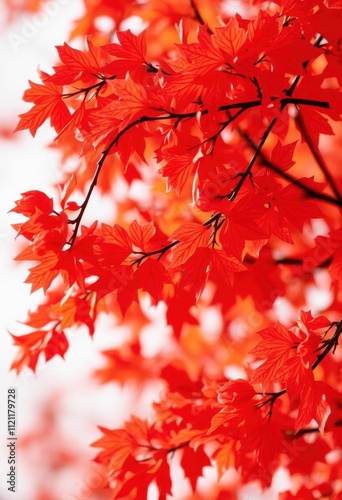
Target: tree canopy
<point x="216" y="136"/>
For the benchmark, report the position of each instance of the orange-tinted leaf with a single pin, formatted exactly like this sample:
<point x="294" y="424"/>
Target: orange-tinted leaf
<point x="178" y="170"/>
<point x="294" y="374"/>
<point x="311" y="323"/>
<point x="315" y="124"/>
<point x="130" y="54"/>
<point x="116" y="235"/>
<point x="30" y="347"/>
<point x="117" y="446"/>
<point x="236" y="392"/>
<point x="224" y="457"/>
<point x="67" y="189"/>
<point x="42" y="275"/>
<point x="32" y="201"/>
<point x="221" y="419"/>
<point x="48" y="104"/>
<point x="132" y="100"/>
<point x="230" y="38"/>
<point x="76" y="63"/>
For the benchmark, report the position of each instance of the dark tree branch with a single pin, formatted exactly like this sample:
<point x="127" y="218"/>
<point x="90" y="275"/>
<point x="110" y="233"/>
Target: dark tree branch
<point x="332" y="343"/>
<point x="97" y="87"/>
<point x="242" y="106"/>
<point x="143" y="119"/>
<point x="224" y="125"/>
<point x="294" y="261"/>
<point x="198" y="16"/>
<point x="306" y="102"/>
<point x="258" y="148"/>
<point x="302" y="432"/>
<point x="99" y="166"/>
<point x="317" y="155"/>
<point x="309" y="192"/>
<point x="291" y="261"/>
<point x="160" y="251"/>
<point x="248" y="170"/>
<point x="213" y="221"/>
<point x="296" y="79"/>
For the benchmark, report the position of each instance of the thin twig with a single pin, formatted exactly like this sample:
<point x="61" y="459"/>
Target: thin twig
<point x="198" y="16"/>
<point x="317" y="155"/>
<point x="91" y="188"/>
<point x="331" y="344"/>
<point x="248" y="170"/>
<point x="143" y="119"/>
<point x="272" y="166"/>
<point x="213" y="221"/>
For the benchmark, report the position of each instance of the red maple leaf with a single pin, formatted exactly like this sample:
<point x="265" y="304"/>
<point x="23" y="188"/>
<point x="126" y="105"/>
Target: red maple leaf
<point x="282" y="155"/>
<point x="130" y="55"/>
<point x="48" y="103"/>
<point x="193" y="462"/>
<point x="151" y="275"/>
<point x="313" y="405"/>
<point x="76" y="64"/>
<point x="277" y="347"/>
<point x="229" y="111"/>
<point x="190" y="236"/>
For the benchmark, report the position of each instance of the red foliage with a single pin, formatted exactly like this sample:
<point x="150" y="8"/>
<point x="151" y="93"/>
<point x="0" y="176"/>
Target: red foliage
<point x="226" y="121"/>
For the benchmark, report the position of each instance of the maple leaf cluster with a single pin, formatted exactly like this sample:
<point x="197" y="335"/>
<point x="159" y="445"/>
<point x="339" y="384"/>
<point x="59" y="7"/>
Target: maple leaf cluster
<point x="216" y="138"/>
